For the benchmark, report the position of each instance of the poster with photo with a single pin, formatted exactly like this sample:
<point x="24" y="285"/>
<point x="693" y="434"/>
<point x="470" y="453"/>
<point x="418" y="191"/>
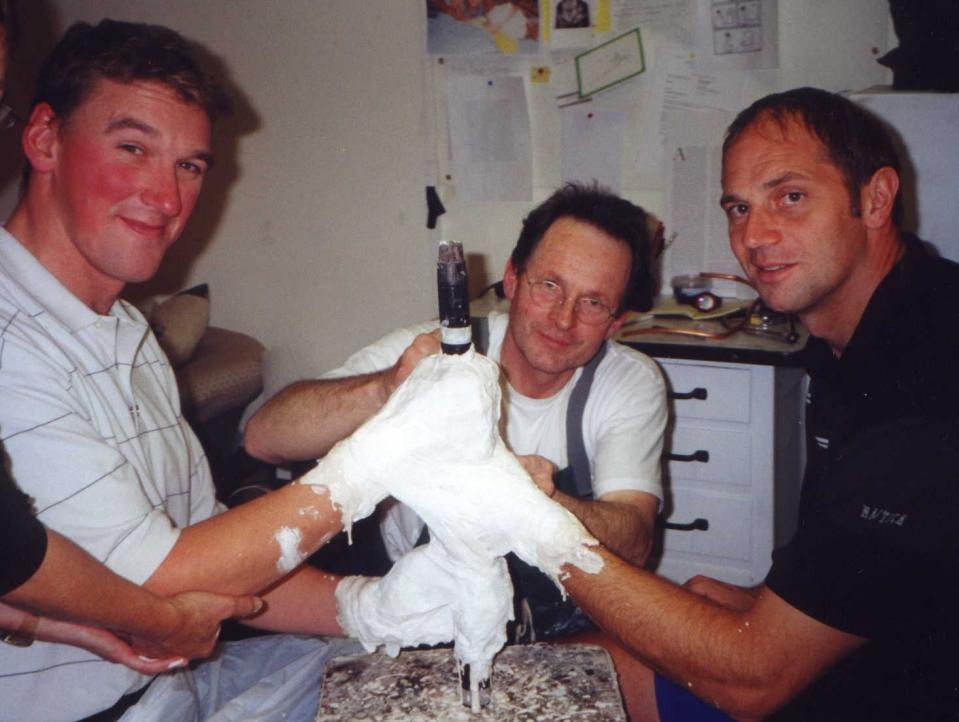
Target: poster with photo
<point x="482" y="27"/>
<point x="574" y="23"/>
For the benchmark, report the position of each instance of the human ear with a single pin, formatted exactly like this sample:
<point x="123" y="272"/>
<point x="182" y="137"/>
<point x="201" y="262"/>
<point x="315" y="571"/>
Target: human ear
<point x="616" y="324"/>
<point x="40" y="138"/>
<point x="510" y="277"/>
<point x="878" y="197"/>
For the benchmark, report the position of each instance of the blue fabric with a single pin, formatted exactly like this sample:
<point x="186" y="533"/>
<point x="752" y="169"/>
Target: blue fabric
<point x="262" y="679"/>
<point x="677" y="704"/>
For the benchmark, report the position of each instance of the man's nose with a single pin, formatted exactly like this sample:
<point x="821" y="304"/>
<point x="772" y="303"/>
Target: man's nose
<point x="162" y="192"/>
<point x="564" y="313"/>
<point x="761" y="230"/>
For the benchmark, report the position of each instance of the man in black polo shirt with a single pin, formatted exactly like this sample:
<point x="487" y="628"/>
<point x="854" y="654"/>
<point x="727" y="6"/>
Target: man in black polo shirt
<point x="857" y="617"/>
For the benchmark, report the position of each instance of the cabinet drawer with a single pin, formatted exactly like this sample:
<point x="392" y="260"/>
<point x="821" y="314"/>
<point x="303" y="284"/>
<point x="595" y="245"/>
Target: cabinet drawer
<point x="709" y="392"/>
<point x="729" y="455"/>
<point x="729" y="517"/>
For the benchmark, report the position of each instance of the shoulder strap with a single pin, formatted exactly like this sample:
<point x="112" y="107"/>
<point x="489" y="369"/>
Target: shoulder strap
<point x="479" y="326"/>
<point x="575" y="446"/>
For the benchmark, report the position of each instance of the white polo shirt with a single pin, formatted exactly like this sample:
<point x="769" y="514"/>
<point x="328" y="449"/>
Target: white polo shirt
<point x="91" y="426"/>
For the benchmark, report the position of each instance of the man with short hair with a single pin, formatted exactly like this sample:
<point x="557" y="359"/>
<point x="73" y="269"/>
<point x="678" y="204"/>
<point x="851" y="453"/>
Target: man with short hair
<point x="592" y="407"/>
<point x="856" y="619"/>
<point x="42" y="572"/>
<point x="118" y="143"/>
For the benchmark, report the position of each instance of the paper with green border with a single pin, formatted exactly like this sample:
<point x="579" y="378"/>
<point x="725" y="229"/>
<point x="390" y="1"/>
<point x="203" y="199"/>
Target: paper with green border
<point x="611" y="63"/>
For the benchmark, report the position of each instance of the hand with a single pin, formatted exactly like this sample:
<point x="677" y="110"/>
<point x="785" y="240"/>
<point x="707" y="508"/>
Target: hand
<point x="199" y="616"/>
<point x="729" y="596"/>
<point x="104" y="644"/>
<point x="411" y="605"/>
<point x="541" y="470"/>
<point x="425" y="344"/>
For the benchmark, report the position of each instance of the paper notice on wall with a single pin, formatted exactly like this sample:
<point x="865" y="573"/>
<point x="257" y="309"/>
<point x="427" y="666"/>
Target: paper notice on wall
<point x="489" y="131"/>
<point x="593" y="146"/>
<point x="738" y="34"/>
<point x="689" y="86"/>
<point x="696" y="225"/>
<point x="675" y="19"/>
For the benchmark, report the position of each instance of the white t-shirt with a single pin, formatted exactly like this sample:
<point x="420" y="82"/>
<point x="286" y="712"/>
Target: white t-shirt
<point x="623" y="421"/>
<point x="91" y="426"/>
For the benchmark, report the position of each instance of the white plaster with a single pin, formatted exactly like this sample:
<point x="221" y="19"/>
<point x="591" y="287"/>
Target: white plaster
<point x="435" y="446"/>
<point x="289" y="540"/>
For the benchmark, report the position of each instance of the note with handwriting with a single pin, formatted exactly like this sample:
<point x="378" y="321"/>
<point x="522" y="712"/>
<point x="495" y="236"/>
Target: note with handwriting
<point x="609" y="64"/>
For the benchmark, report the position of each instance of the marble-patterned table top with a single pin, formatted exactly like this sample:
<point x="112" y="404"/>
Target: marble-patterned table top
<point x="530" y="683"/>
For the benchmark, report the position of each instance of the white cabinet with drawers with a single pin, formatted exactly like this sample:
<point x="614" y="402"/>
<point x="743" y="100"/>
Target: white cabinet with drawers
<point x="734" y="451"/>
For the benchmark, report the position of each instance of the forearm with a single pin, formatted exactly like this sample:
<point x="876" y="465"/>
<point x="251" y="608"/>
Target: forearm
<point x="303" y="602"/>
<point x="621" y="521"/>
<point x="307" y="418"/>
<point x="712" y="650"/>
<point x="73" y="586"/>
<point x="248" y="548"/>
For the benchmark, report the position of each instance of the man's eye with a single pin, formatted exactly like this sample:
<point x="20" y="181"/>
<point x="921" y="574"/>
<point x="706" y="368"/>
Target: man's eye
<point x="551" y="286"/>
<point x="794" y="197"/>
<point x="131" y="148"/>
<point x="592" y="302"/>
<point x="194" y="168"/>
<point x="737" y="210"/>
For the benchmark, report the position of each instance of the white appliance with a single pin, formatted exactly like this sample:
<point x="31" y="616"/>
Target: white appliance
<point x="928" y="128"/>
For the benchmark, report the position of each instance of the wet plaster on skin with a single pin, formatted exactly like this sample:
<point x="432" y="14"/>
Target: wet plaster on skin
<point x="310" y="511"/>
<point x="288" y="539"/>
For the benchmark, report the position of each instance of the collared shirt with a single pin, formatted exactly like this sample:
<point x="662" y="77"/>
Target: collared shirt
<point x="90" y="422"/>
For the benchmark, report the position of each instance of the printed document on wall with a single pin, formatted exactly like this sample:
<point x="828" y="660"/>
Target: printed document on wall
<point x="740" y="35"/>
<point x="696" y="226"/>
<point x="675" y="19"/>
<point x="593" y="146"/>
<point x="489" y="131"/>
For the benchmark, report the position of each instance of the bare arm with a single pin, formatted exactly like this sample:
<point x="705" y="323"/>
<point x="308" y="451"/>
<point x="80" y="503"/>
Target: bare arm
<point x="748" y="662"/>
<point x="726" y="595"/>
<point x="74" y="587"/>
<point x="304" y="420"/>
<point x="93" y="639"/>
<point x="253" y="548"/>
<point x="621" y="520"/>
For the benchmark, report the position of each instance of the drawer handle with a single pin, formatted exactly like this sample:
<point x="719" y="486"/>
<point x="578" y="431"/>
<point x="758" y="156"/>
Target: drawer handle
<point x="699" y="455"/>
<point x="698" y="393"/>
<point x="699" y="524"/>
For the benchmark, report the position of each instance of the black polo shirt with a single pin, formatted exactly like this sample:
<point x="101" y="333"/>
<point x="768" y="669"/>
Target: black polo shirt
<point x="876" y="552"/>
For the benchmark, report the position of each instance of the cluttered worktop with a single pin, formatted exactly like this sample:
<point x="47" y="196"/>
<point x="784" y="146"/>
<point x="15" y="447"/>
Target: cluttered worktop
<point x="735" y="332"/>
<point x="763" y="338"/>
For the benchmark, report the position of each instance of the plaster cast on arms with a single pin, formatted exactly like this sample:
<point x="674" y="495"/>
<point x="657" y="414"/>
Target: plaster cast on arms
<point x="435" y="446"/>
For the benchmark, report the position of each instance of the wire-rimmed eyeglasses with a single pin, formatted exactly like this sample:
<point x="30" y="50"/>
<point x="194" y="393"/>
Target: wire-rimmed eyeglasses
<point x="547" y="293"/>
<point x="8" y="117"/>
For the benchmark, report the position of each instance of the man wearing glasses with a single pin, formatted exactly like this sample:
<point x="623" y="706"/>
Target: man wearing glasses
<point x="581" y="262"/>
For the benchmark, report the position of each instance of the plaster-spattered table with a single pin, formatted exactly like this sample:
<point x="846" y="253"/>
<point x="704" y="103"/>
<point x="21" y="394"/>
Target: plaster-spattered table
<point x="535" y="682"/>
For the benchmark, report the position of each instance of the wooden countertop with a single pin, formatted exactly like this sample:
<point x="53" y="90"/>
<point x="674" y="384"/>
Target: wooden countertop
<point x="530" y="683"/>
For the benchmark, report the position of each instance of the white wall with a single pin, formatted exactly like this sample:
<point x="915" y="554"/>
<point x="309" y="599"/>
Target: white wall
<point x="313" y="235"/>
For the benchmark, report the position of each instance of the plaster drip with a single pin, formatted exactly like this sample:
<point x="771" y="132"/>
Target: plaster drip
<point x="289" y="542"/>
